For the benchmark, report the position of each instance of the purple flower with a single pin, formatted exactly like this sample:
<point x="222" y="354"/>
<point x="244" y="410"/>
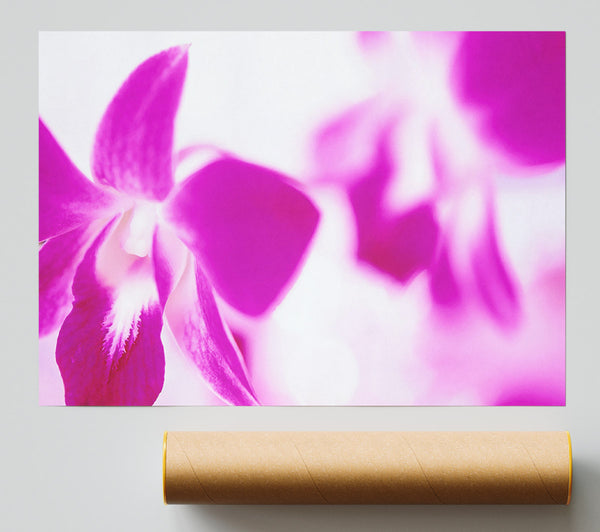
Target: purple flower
<point x="131" y="252"/>
<point x="454" y="111"/>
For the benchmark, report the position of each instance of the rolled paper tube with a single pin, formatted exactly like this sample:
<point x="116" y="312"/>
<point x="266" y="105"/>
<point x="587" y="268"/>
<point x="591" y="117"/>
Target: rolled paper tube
<point x="367" y="467"/>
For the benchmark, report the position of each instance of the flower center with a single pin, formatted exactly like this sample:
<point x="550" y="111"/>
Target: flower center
<point x="123" y="321"/>
<point x="137" y="239"/>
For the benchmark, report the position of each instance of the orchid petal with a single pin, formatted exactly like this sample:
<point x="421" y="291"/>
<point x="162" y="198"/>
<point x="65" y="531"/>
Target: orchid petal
<point x="443" y="285"/>
<point x="58" y="261"/>
<point x="517" y="80"/>
<point x="347" y="148"/>
<point x="67" y="198"/>
<point x="366" y="195"/>
<point x="196" y="324"/>
<point x="109" y="349"/>
<point x="536" y="393"/>
<point x="248" y="226"/>
<point x="374" y="40"/>
<point x="404" y="245"/>
<point x="132" y="152"/>
<point x="401" y="245"/>
<point x="169" y="257"/>
<point x="493" y="280"/>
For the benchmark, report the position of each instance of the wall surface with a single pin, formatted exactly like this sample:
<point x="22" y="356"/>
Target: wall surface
<point x="97" y="469"/>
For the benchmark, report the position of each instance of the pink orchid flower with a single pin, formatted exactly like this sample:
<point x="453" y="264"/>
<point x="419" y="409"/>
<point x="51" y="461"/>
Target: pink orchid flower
<point x="454" y="111"/>
<point x="131" y="252"/>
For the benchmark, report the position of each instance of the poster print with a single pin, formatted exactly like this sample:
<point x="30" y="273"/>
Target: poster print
<point x="302" y="218"/>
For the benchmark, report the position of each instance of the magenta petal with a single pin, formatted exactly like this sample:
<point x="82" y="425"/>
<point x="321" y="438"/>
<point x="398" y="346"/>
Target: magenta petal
<point x="517" y="80"/>
<point x="402" y="246"/>
<point x="366" y="194"/>
<point x="372" y="40"/>
<point x="169" y="257"/>
<point x="109" y="349"/>
<point x="532" y="394"/>
<point x="249" y="228"/>
<point x="196" y="324"/>
<point x="495" y="285"/>
<point x="164" y="272"/>
<point x="134" y="142"/>
<point x="443" y="285"/>
<point x="67" y="198"/>
<point x="348" y="146"/>
<point x="58" y="261"/>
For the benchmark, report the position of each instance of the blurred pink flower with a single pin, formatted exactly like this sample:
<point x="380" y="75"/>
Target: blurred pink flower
<point x="453" y="111"/>
<point x="123" y="252"/>
<point x="516" y="81"/>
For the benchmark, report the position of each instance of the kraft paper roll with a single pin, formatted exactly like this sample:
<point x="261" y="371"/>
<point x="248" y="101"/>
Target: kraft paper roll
<point x="367" y="467"/>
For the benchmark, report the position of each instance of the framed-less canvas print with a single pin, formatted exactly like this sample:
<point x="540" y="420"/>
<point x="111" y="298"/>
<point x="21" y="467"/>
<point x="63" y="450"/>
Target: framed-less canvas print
<point x="302" y="218"/>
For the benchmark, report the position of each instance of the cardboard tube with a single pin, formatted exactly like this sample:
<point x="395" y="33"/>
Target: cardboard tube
<point x="367" y="467"/>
